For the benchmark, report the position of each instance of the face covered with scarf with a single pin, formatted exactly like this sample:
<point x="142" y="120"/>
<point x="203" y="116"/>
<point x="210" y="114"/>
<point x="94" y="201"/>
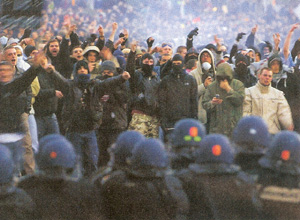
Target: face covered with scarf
<point x="177" y="64"/>
<point x="147" y="64"/>
<point x="82" y="75"/>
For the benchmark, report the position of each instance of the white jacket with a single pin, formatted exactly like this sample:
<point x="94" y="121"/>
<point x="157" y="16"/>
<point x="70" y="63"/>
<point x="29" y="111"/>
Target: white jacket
<point x="270" y="104"/>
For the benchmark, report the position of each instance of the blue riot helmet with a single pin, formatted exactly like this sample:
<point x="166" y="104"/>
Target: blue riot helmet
<point x="55" y="151"/>
<point x="149" y="153"/>
<point x="122" y="149"/>
<point x="6" y="164"/>
<point x="215" y="148"/>
<point x="284" y="153"/>
<point x="251" y="135"/>
<point x="187" y="133"/>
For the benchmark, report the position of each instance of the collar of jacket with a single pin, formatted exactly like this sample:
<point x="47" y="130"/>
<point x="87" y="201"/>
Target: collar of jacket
<point x="262" y="88"/>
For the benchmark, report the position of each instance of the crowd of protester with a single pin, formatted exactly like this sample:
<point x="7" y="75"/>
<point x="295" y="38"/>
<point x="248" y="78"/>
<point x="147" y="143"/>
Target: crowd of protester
<point x="129" y="112"/>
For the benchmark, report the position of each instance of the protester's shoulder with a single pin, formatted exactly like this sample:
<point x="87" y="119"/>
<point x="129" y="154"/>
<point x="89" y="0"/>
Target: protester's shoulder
<point x="237" y="83"/>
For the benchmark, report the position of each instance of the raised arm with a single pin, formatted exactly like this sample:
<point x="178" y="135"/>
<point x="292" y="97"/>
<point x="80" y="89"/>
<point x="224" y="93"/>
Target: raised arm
<point x="189" y="40"/>
<point x="286" y="50"/>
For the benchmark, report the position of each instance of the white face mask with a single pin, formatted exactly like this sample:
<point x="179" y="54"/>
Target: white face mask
<point x="206" y="66"/>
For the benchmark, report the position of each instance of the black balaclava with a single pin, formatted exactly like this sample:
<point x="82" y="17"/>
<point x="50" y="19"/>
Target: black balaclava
<point x="82" y="78"/>
<point x="147" y="69"/>
<point x="240" y="68"/>
<point x="177" y="69"/>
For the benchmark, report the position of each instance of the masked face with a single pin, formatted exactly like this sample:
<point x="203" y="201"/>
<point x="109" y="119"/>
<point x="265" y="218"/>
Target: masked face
<point x="107" y="73"/>
<point x="177" y="66"/>
<point x="206" y="66"/>
<point x="147" y="66"/>
<point x="241" y="68"/>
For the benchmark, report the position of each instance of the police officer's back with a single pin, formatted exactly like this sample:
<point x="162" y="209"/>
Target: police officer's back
<point x="56" y="196"/>
<point x="278" y="181"/>
<point x="215" y="186"/>
<point x="144" y="191"/>
<point x="14" y="202"/>
<point x="251" y="138"/>
<point x="119" y="152"/>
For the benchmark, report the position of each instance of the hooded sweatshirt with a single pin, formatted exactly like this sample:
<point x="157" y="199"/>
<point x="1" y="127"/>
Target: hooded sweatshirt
<point x="224" y="116"/>
<point x="198" y="74"/>
<point x="289" y="84"/>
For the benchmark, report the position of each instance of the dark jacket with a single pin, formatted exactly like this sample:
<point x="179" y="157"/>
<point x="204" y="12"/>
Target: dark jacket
<point x="15" y="204"/>
<point x="289" y="84"/>
<point x="177" y="98"/>
<point x="144" y="89"/>
<point x="46" y="101"/>
<point x="13" y="101"/>
<point x="218" y="191"/>
<point x="62" y="61"/>
<point x="82" y="110"/>
<point x="60" y="198"/>
<point x="130" y="196"/>
<point x="248" y="79"/>
<point x="114" y="107"/>
<point x="277" y="194"/>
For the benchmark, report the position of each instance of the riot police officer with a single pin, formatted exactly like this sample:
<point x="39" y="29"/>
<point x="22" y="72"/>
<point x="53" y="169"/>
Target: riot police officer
<point x="144" y="191"/>
<point x="15" y="203"/>
<point x="55" y="195"/>
<point x="278" y="181"/>
<point x="186" y="137"/>
<point x="214" y="184"/>
<point x="251" y="139"/>
<point x="120" y="152"/>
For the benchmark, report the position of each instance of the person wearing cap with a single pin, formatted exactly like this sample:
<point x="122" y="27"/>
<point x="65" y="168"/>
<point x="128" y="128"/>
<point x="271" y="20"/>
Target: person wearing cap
<point x="144" y="100"/>
<point x="114" y="120"/>
<point x="177" y="96"/>
<point x="226" y="57"/>
<point x="91" y="56"/>
<point x="269" y="103"/>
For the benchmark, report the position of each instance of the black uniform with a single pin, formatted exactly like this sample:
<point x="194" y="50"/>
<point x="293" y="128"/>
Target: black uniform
<point x="142" y="196"/>
<point x="15" y="204"/>
<point x="218" y="192"/>
<point x="61" y="199"/>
